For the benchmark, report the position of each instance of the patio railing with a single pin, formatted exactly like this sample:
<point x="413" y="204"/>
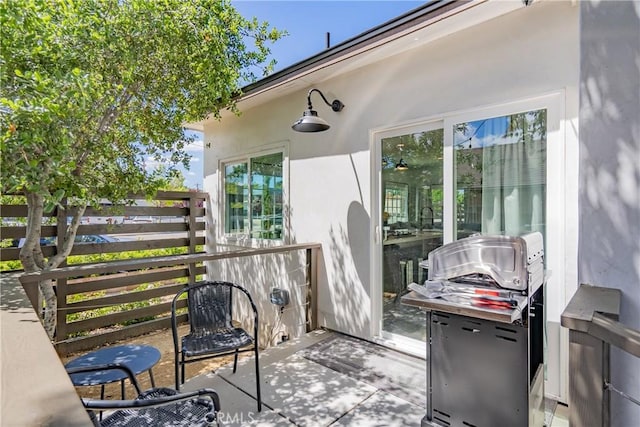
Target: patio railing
<point x="152" y="305"/>
<point x="591" y="317"/>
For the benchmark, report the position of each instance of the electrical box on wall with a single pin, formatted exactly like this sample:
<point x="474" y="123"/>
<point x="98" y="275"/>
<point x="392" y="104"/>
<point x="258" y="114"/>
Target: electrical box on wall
<point x="279" y="297"/>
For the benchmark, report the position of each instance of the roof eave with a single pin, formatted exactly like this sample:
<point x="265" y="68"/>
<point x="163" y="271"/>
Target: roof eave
<point x="424" y="13"/>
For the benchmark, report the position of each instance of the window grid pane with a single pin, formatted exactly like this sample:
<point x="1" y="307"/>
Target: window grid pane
<point x="266" y="196"/>
<point x="253" y="197"/>
<point x="396" y="202"/>
<point x="236" y="198"/>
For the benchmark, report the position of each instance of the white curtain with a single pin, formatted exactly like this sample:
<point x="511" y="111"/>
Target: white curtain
<point x="513" y="177"/>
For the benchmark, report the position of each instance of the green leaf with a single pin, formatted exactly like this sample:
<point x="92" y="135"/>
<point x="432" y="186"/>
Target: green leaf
<point x="49" y="207"/>
<point x="58" y="195"/>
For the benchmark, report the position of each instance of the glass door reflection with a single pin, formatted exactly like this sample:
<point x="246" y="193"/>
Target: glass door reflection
<point x="412" y="207"/>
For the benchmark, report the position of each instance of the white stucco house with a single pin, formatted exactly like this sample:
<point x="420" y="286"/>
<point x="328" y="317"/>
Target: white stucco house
<point x="511" y="116"/>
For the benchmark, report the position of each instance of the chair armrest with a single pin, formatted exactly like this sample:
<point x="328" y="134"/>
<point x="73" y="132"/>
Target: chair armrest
<point x="174" y="318"/>
<point x="168" y="396"/>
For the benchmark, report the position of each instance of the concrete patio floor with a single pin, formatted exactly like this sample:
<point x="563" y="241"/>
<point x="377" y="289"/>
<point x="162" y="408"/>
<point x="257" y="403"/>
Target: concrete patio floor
<point x="298" y="391"/>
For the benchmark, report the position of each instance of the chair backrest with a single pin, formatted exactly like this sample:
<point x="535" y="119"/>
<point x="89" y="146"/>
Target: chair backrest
<point x="210" y="306"/>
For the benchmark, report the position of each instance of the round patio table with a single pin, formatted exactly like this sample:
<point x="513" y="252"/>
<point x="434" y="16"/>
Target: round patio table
<point x="138" y="358"/>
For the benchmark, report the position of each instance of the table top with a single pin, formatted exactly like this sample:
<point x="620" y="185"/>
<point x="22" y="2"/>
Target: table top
<point x="138" y="358"/>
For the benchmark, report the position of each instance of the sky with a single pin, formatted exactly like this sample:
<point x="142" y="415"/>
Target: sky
<point x="306" y="22"/>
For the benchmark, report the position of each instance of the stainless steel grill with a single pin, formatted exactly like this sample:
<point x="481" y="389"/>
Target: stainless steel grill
<point x="485" y="319"/>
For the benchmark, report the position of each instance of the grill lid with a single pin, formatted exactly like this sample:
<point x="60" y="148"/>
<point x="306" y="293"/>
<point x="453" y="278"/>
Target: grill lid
<point x="505" y="259"/>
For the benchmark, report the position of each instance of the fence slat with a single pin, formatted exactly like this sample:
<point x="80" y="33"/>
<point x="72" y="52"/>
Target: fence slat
<point x="163" y="261"/>
<point x="13" y="254"/>
<point x="114" y="281"/>
<point x="19" y="231"/>
<point x="125" y="298"/>
<point x="115" y="318"/>
<point x="138" y="245"/>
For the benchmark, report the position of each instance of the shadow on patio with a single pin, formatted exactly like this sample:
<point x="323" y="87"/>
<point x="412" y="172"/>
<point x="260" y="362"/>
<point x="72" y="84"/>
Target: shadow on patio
<point x="321" y="379"/>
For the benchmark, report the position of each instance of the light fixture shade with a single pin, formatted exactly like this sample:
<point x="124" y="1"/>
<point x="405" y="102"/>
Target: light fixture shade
<point x="310" y="122"/>
<point x="402" y="165"/>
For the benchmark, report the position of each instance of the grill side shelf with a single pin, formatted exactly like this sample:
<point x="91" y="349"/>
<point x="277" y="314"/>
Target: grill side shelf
<point x="504" y="316"/>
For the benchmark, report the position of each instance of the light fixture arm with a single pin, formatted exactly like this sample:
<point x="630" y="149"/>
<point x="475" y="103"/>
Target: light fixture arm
<point x="336" y="105"/>
<point x="310" y="122"/>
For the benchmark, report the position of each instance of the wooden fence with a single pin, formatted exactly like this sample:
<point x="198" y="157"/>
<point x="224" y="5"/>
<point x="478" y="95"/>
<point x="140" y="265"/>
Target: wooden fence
<point x="171" y="220"/>
<point x="106" y="297"/>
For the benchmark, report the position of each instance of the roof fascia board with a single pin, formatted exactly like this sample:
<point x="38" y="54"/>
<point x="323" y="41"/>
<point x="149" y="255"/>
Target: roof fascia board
<point x="418" y="18"/>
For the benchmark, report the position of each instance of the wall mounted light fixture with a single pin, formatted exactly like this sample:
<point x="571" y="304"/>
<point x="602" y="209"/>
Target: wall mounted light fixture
<point x="310" y="122"/>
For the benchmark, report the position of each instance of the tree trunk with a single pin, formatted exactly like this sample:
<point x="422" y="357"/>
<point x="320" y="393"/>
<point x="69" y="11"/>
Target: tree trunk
<point x="33" y="260"/>
<point x="50" y="307"/>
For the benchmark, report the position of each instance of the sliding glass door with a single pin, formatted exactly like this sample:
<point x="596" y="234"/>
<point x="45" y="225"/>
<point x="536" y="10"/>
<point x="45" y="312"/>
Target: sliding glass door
<point x="411" y="197"/>
<point x="500" y="174"/>
<point x="484" y="171"/>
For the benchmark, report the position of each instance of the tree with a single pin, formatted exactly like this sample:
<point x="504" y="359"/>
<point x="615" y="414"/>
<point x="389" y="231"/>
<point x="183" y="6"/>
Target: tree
<point x="91" y="88"/>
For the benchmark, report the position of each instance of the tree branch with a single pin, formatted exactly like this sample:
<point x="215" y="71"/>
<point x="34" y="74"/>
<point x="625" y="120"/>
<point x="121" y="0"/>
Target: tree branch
<point x="64" y="247"/>
<point x="114" y="111"/>
<point x="108" y="118"/>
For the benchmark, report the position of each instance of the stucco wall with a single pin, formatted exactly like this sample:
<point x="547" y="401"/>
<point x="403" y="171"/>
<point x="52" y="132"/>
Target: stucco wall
<point x="609" y="245"/>
<point x="529" y="52"/>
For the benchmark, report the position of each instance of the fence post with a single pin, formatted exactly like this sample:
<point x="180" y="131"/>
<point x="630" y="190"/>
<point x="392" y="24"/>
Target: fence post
<point x="61" y="283"/>
<point x="312" y="289"/>
<point x="192" y="237"/>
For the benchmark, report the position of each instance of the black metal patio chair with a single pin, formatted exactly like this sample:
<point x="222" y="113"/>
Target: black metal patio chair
<point x="212" y="333"/>
<point x="154" y="407"/>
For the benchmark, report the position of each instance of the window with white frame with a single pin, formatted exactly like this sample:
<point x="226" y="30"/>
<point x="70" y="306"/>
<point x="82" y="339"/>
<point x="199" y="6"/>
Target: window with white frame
<point x="253" y="197"/>
<point x="396" y="202"/>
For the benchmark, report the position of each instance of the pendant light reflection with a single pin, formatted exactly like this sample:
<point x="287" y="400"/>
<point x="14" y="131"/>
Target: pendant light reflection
<point x="310" y="122"/>
<point x="401" y="165"/>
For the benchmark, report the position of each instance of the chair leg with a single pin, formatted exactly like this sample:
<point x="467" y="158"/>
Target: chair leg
<point x="101" y="398"/>
<point x="177" y="371"/>
<point x="183" y="369"/>
<point x="235" y="361"/>
<point x="153" y="381"/>
<point x="258" y="380"/>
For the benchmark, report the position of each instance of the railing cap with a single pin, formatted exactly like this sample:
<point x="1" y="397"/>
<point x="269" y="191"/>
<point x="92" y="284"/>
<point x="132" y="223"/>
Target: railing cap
<point x="154" y="262"/>
<point x="587" y="301"/>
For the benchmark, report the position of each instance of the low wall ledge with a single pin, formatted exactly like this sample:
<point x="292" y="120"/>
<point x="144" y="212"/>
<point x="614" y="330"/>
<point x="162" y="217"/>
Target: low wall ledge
<point x="587" y="301"/>
<point x="36" y="390"/>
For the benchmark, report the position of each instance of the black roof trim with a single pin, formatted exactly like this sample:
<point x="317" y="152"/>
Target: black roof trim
<point x="427" y="11"/>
